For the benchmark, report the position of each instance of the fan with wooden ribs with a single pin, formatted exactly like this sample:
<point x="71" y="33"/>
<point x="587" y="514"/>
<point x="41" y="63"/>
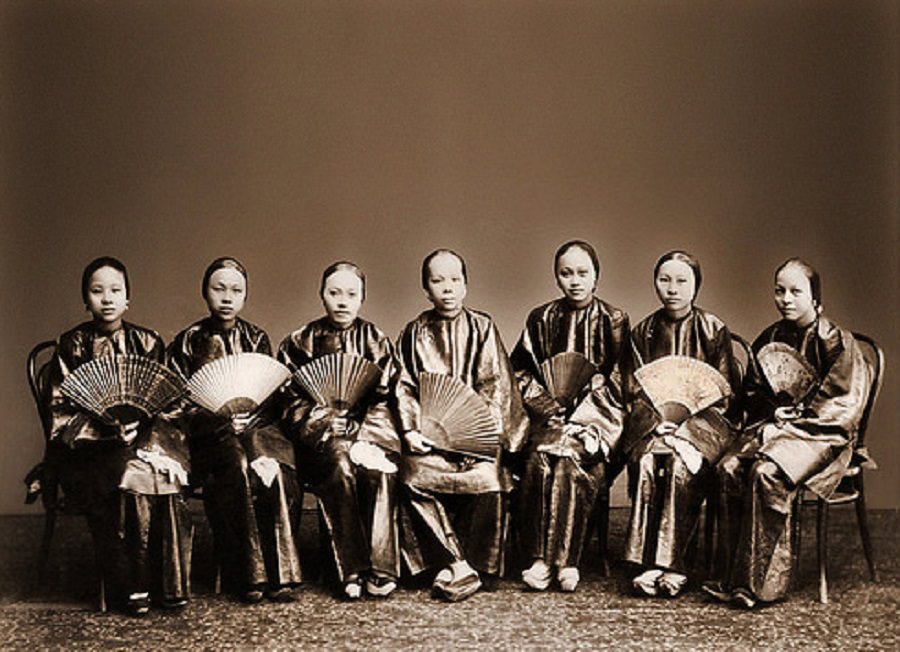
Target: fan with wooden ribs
<point x="680" y="386"/>
<point x="566" y="374"/>
<point x="237" y="384"/>
<point x="338" y="380"/>
<point x="455" y="418"/>
<point x="788" y="373"/>
<point x="123" y="389"/>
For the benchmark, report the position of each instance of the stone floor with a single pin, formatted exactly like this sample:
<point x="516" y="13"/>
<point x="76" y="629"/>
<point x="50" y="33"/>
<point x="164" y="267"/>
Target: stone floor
<point x="603" y="613"/>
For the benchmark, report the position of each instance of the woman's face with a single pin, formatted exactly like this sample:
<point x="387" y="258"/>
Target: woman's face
<point x="225" y="294"/>
<point x="342" y="295"/>
<point x="793" y="296"/>
<point x="446" y="286"/>
<point x="576" y="277"/>
<point x="107" y="297"/>
<point x="676" y="286"/>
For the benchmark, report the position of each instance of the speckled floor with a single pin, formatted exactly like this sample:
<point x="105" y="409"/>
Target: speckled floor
<point x="602" y="614"/>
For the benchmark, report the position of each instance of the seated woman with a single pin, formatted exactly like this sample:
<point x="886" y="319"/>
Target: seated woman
<point x="453" y="513"/>
<point x="574" y="430"/>
<point x="670" y="464"/>
<point x="127" y="480"/>
<point x="791" y="442"/>
<point x="348" y="453"/>
<point x="246" y="468"/>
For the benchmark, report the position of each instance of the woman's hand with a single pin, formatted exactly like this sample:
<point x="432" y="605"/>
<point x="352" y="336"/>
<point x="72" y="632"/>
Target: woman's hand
<point x="417" y="442"/>
<point x="343" y="426"/>
<point x="666" y="428"/>
<point x="266" y="469"/>
<point x="786" y="413"/>
<point x="371" y="457"/>
<point x="240" y="421"/>
<point x="163" y="464"/>
<point x="128" y="431"/>
<point x="588" y="438"/>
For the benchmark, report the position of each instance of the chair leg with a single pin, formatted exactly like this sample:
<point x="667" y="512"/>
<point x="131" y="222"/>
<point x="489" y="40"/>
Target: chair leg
<point x="46" y="538"/>
<point x="796" y="512"/>
<point x="862" y="518"/>
<point x="102" y="594"/>
<point x="822" y="541"/>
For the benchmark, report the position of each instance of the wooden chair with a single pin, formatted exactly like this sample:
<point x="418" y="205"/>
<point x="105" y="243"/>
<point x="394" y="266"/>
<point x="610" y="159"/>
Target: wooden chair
<point x="38" y="370"/>
<point x="852" y="488"/>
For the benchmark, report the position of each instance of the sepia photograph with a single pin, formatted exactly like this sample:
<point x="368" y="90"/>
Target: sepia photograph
<point x="437" y="325"/>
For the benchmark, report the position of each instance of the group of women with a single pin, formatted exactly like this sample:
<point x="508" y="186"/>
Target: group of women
<point x="389" y="493"/>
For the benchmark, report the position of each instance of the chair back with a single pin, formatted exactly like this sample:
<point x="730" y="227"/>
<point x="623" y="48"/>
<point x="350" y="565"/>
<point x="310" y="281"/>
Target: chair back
<point x="743" y="358"/>
<point x="39" y="369"/>
<point x="743" y="355"/>
<point x="874" y="357"/>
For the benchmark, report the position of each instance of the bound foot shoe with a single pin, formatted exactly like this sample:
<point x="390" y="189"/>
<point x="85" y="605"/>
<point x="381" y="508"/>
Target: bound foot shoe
<point x="379" y="586"/>
<point x="645" y="583"/>
<point x="353" y="589"/>
<point x="173" y="603"/>
<point x="464" y="582"/>
<point x="670" y="584"/>
<point x="744" y="598"/>
<point x="138" y="604"/>
<point x="252" y="596"/>
<point x="441" y="581"/>
<point x="283" y="594"/>
<point x="568" y="579"/>
<point x="464" y="586"/>
<point x="537" y="577"/>
<point x="717" y="591"/>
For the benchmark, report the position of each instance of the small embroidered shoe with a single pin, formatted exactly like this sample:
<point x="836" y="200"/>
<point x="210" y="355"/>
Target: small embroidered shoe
<point x="717" y="591"/>
<point x="568" y="579"/>
<point x="353" y="589"/>
<point x="537" y="577"/>
<point x="670" y="584"/>
<point x="645" y="583"/>
<point x="744" y="598"/>
<point x="380" y="586"/>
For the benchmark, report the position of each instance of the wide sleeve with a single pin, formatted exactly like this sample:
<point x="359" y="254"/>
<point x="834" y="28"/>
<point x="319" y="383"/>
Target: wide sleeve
<point x="820" y="440"/>
<point x="603" y="408"/>
<point x="379" y="425"/>
<point x="406" y="388"/>
<point x="295" y="403"/>
<point x="641" y="417"/>
<point x="494" y="383"/>
<point x="710" y="431"/>
<point x="538" y="402"/>
<point x="69" y="423"/>
<point x="193" y="420"/>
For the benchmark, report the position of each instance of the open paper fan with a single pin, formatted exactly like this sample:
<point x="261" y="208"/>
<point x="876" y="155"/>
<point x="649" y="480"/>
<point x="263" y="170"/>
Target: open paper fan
<point x="786" y="370"/>
<point x="456" y="418"/>
<point x="680" y="386"/>
<point x="121" y="389"/>
<point x="237" y="383"/>
<point x="566" y="374"/>
<point x="338" y="380"/>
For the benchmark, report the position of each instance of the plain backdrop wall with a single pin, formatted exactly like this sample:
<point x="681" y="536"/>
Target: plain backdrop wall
<point x="292" y="134"/>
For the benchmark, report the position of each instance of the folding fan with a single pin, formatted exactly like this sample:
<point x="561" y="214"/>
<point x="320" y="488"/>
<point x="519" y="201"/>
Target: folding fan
<point x="456" y="418"/>
<point x="237" y="384"/>
<point x="122" y="389"/>
<point x="338" y="380"/>
<point x="786" y="370"/>
<point x="566" y="374"/>
<point x="680" y="386"/>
